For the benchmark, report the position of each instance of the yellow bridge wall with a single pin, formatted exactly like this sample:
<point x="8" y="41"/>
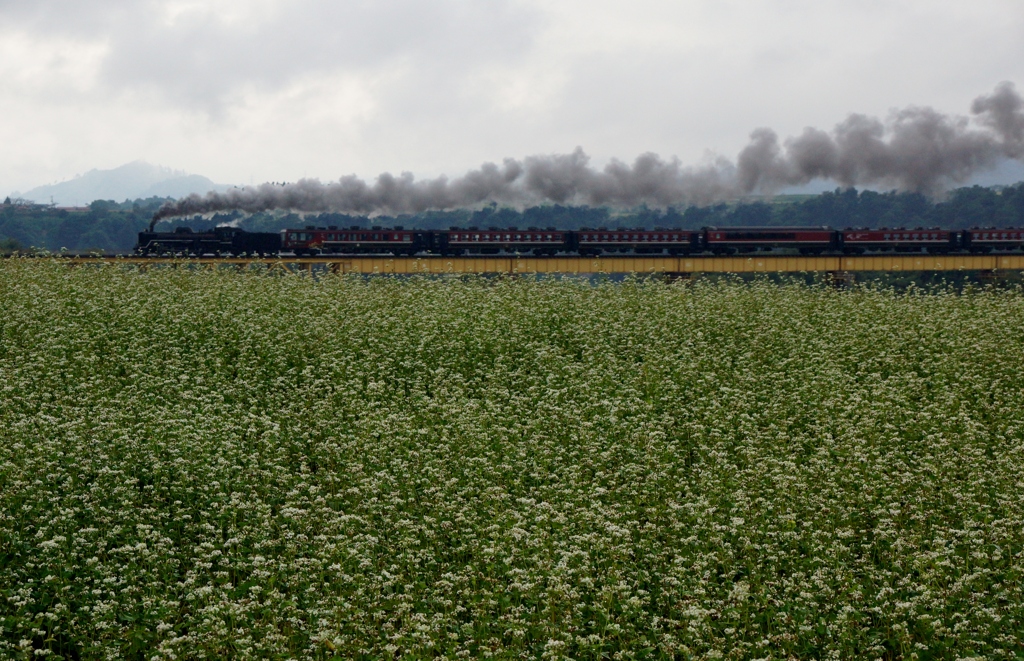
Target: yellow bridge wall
<point x="589" y="265"/>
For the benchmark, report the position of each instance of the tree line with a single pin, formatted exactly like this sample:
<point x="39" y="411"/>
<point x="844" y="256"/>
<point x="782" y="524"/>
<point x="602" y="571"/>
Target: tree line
<point x="111" y="227"/>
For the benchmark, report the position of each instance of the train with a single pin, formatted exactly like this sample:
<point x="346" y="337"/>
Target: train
<point x="398" y="241"/>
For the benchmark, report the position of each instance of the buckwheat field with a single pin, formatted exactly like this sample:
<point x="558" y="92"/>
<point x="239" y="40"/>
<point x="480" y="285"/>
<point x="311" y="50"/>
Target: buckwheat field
<point x="234" y="465"/>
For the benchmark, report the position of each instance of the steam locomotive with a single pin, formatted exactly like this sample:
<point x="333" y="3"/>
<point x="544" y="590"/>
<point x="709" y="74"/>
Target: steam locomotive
<point x="357" y="240"/>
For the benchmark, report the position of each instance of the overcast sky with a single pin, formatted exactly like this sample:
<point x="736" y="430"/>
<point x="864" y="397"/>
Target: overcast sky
<point x="273" y="90"/>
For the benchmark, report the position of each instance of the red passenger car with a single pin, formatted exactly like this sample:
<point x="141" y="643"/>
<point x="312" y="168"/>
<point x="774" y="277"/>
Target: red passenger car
<point x="899" y="240"/>
<point x="493" y="241"/>
<point x="601" y="240"/>
<point x="991" y="239"/>
<point x="808" y="240"/>
<point x="355" y="240"/>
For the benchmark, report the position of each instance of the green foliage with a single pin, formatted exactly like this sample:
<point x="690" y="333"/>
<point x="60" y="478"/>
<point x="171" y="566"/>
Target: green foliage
<point x="105" y="225"/>
<point x="212" y="464"/>
<point x="8" y="246"/>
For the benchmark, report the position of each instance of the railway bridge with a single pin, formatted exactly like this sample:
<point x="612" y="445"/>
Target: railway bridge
<point x="570" y="265"/>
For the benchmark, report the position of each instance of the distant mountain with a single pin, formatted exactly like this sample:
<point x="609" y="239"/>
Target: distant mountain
<point x="128" y="182"/>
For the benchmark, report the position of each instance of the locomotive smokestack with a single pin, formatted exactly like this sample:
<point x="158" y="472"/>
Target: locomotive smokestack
<point x="918" y="149"/>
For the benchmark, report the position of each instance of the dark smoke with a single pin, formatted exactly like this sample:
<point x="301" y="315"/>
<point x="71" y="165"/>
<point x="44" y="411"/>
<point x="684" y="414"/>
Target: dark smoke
<point x="919" y="149"/>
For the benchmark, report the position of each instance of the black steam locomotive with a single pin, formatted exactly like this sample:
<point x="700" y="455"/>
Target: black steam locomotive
<point x="218" y="241"/>
<point x="584" y="242"/>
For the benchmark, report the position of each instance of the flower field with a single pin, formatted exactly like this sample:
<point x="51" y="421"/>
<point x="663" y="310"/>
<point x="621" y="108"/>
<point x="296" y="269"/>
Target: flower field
<point x="234" y="465"/>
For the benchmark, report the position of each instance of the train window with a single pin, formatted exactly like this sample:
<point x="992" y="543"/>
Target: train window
<point x="407" y="238"/>
<point x="476" y="237"/>
<point x="548" y="237"/>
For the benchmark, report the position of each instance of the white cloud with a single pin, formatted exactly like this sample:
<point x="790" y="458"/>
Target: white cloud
<point x="277" y="90"/>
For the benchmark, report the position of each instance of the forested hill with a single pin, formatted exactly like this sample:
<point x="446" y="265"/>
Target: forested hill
<point x="108" y="226"/>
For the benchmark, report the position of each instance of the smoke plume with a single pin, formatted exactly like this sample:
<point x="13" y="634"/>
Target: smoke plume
<point x="918" y="149"/>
